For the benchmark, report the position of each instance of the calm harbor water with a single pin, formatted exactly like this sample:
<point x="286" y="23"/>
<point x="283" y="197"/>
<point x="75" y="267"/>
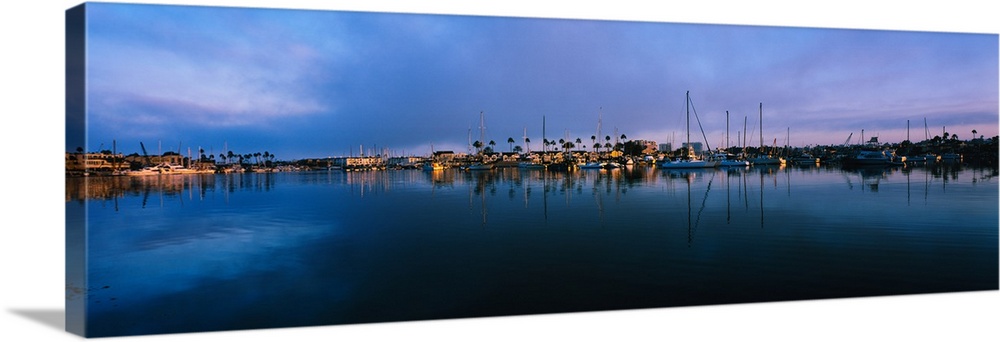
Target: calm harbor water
<point x="244" y="251"/>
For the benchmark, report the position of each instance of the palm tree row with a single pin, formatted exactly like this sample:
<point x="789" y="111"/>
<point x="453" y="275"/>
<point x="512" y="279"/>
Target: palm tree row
<point x="264" y="159"/>
<point x="566" y="145"/>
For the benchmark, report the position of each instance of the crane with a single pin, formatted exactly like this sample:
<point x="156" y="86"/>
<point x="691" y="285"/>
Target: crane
<point x="846" y="142"/>
<point x="145" y="155"/>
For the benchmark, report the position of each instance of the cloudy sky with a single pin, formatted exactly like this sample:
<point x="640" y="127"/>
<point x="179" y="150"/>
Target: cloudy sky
<point x="305" y="84"/>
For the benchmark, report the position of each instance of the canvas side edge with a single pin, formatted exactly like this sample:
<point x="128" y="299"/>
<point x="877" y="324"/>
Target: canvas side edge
<point x="76" y="225"/>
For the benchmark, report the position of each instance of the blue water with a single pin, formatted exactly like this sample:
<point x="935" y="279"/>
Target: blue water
<point x="246" y="251"/>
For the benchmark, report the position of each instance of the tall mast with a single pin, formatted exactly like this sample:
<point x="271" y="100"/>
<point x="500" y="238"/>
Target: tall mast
<point x="481" y="129"/>
<point x="687" y="120"/>
<point x="744" y="134"/>
<point x="761" y="119"/>
<point x="727" y="131"/>
<point x="927" y="133"/>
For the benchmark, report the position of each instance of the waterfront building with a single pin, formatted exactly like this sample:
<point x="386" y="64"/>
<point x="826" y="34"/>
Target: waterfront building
<point x="171" y="158"/>
<point x="443" y="156"/>
<point x="649" y="146"/>
<point x="95" y="162"/>
<point x="366" y="162"/>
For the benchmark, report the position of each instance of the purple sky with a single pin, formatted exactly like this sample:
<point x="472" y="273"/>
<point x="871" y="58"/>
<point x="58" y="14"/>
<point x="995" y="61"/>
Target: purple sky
<point x="305" y="84"/>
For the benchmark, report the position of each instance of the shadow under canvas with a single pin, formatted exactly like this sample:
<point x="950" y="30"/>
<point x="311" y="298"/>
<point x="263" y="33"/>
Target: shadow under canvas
<point x="53" y="318"/>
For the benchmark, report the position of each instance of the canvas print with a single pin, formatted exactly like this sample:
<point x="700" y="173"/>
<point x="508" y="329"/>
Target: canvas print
<point x="244" y="168"/>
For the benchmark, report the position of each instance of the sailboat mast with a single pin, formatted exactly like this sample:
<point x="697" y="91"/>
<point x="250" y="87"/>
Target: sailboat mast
<point x="761" y="119"/>
<point x="687" y="120"/>
<point x="727" y="130"/>
<point x="927" y="133"/>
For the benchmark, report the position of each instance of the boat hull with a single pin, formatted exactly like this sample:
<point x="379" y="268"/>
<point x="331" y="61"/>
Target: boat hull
<point x="687" y="164"/>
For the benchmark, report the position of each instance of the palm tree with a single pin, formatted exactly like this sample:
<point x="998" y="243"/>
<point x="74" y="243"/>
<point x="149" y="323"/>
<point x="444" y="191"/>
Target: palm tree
<point x="510" y="143"/>
<point x="593" y="139"/>
<point x="567" y="146"/>
<point x="478" y="145"/>
<point x="623" y="137"/>
<point x="607" y="145"/>
<point x="518" y="149"/>
<point x="527" y="142"/>
<point x="492" y="144"/>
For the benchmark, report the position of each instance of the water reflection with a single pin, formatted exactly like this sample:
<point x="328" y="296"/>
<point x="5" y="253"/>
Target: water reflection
<point x="583" y="191"/>
<point x="348" y="247"/>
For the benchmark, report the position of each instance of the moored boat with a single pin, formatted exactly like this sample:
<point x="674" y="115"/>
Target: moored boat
<point x="765" y="159"/>
<point x="927" y="158"/>
<point x="432" y="166"/>
<point x="951" y="158"/>
<point x="727" y="160"/>
<point x="531" y="165"/>
<point x="868" y="158"/>
<point x="481" y="166"/>
<point x="146" y="171"/>
<point x="164" y="169"/>
<point x="690" y="160"/>
<point x="688" y="163"/>
<point x="805" y="159"/>
<point x="591" y="165"/>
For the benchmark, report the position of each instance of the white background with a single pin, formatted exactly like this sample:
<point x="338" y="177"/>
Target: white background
<point x="31" y="103"/>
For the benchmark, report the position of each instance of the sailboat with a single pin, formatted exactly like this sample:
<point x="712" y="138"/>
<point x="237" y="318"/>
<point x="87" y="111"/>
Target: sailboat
<point x="483" y="165"/>
<point x="765" y="159"/>
<point x="690" y="160"/>
<point x="596" y="163"/>
<point x="724" y="158"/>
<point x="528" y="164"/>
